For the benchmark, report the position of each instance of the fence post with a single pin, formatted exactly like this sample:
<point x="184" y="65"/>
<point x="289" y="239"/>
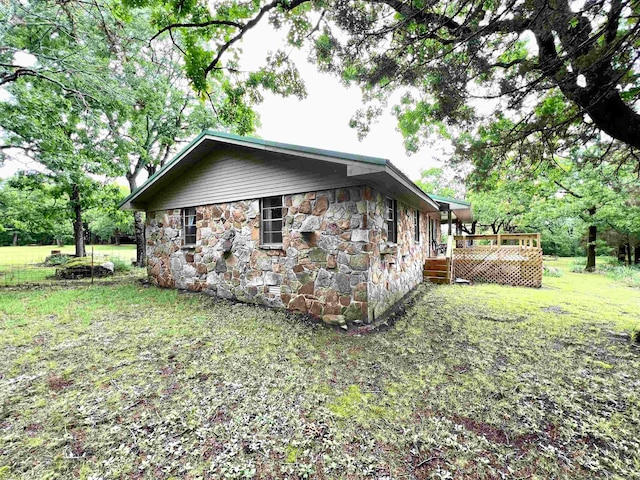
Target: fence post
<point x="91" y="264"/>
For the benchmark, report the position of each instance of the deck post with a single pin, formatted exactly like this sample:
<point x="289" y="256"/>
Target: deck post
<point x="449" y="221"/>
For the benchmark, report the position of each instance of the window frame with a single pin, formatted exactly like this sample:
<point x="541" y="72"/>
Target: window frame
<point x="391" y="207"/>
<point x="416" y="226"/>
<point x="264" y="221"/>
<point x="187" y="236"/>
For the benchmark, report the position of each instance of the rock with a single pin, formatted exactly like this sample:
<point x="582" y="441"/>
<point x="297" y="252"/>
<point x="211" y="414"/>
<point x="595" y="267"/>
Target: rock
<point x="223" y="291"/>
<point x="359" y="235"/>
<point x="310" y="224"/>
<point x="323" y="279"/>
<point x="317" y="255"/>
<point x="333" y="319"/>
<point x="328" y="243"/>
<point x="201" y="268"/>
<point x="360" y="292"/>
<point x="316" y="309"/>
<point x="305" y="207"/>
<point x="271" y="278"/>
<point x="82" y="268"/>
<point x="298" y="304"/>
<point x="176" y="264"/>
<point x="321" y="206"/>
<point x="359" y="261"/>
<point x="341" y="283"/>
<point x="342" y="195"/>
<point x="221" y="266"/>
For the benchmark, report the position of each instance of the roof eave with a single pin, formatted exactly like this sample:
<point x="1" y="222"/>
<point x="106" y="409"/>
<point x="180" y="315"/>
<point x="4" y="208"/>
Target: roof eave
<point x="402" y="178"/>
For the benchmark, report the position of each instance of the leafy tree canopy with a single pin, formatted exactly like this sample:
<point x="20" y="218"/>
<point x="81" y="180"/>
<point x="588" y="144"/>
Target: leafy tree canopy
<point x="493" y="76"/>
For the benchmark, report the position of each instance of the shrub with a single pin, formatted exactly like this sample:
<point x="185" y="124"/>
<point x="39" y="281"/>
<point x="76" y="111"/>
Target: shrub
<point x="57" y="259"/>
<point x="551" y="272"/>
<point x="120" y="265"/>
<point x="628" y="275"/>
<point x="579" y="264"/>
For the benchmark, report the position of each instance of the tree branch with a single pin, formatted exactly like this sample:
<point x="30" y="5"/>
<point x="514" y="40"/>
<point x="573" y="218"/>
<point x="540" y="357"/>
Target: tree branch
<point x="219" y="23"/>
<point x="249" y="25"/>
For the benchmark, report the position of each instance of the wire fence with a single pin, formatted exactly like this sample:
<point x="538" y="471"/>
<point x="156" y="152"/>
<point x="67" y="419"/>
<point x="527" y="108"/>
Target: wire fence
<point x="49" y="264"/>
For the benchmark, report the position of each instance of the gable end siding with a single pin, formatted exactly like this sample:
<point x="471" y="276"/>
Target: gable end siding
<point x="231" y="174"/>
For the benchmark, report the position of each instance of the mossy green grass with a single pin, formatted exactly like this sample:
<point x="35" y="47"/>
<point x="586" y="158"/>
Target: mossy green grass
<point x="484" y="381"/>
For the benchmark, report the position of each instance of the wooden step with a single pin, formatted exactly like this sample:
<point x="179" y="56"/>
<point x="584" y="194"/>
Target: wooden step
<point x="435" y="273"/>
<point x="439" y="280"/>
<point x="436" y="268"/>
<point x="436" y="260"/>
<point x="435" y="265"/>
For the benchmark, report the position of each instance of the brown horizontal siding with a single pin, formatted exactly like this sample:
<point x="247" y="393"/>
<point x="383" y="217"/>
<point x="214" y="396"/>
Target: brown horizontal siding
<point x="232" y="174"/>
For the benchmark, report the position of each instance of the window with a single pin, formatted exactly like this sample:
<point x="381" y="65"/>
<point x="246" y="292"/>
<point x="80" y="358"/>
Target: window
<point x="416" y="226"/>
<point x="271" y="224"/>
<point x="391" y="218"/>
<point x="189" y="225"/>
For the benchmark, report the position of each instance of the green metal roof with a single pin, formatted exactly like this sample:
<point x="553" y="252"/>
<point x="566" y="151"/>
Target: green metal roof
<point x="263" y="143"/>
<point x="439" y="198"/>
<point x="299" y="148"/>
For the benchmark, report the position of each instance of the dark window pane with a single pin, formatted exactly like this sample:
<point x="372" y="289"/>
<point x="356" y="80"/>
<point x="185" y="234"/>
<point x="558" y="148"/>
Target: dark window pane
<point x="272" y="215"/>
<point x="189" y="225"/>
<point x="273" y="225"/>
<point x="270" y="238"/>
<point x="272" y="202"/>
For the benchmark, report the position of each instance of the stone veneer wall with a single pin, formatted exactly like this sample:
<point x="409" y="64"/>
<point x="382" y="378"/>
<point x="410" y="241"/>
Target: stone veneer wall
<point x="396" y="269"/>
<point x="334" y="262"/>
<point x="323" y="272"/>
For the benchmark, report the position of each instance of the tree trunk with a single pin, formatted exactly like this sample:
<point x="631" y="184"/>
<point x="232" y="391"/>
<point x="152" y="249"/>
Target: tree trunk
<point x="628" y="260"/>
<point x="15" y="239"/>
<point x="138" y="226"/>
<point x="622" y="254"/>
<point x="78" y="231"/>
<point x="591" y="244"/>
<point x="636" y="254"/>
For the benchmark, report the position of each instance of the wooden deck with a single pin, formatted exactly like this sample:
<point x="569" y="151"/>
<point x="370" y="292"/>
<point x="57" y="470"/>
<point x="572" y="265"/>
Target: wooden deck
<point x="508" y="259"/>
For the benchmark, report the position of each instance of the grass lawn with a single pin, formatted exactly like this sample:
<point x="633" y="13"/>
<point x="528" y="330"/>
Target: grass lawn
<point x="19" y="265"/>
<point x="120" y="381"/>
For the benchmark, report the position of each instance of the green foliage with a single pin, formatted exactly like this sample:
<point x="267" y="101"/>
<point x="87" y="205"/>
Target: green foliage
<point x="120" y="265"/>
<point x="56" y="260"/>
<point x="105" y="219"/>
<point x="34" y="209"/>
<point x="440" y="182"/>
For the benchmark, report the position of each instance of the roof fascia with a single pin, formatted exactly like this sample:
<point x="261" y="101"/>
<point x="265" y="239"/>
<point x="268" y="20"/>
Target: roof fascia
<point x="403" y="179"/>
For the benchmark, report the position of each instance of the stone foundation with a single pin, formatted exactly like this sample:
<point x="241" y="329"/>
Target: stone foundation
<point x="334" y="262"/>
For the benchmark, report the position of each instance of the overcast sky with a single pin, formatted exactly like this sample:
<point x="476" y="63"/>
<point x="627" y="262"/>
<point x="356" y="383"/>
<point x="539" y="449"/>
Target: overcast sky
<point x="322" y="119"/>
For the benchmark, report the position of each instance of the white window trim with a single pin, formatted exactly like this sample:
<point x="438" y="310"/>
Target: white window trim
<point x="184" y="226"/>
<point x="417" y="237"/>
<point x="270" y="246"/>
<point x="394" y="209"/>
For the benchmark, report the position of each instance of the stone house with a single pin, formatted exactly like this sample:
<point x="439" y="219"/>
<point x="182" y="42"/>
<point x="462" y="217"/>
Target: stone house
<point x="340" y="236"/>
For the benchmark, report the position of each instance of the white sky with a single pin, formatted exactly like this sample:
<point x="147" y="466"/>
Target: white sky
<point x="321" y="120"/>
